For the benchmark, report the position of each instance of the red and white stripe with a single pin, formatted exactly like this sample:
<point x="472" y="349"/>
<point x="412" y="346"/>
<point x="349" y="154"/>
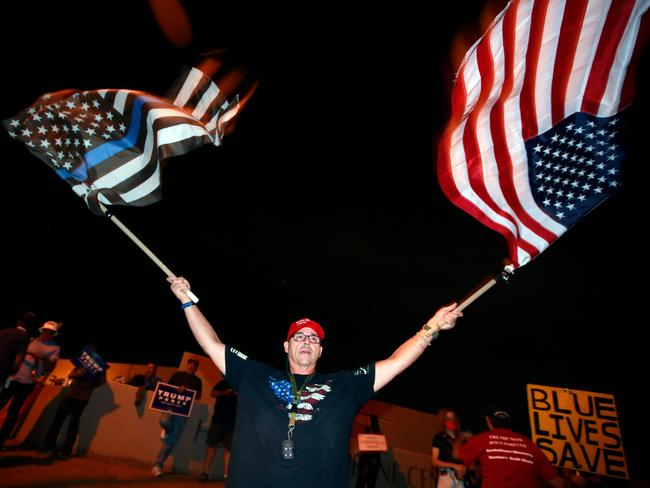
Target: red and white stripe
<point x="539" y="62"/>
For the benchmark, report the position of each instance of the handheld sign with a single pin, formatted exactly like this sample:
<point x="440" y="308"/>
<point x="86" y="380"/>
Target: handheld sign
<point x="372" y="443"/>
<point x="170" y="399"/>
<point x="578" y="430"/>
<point x="91" y="362"/>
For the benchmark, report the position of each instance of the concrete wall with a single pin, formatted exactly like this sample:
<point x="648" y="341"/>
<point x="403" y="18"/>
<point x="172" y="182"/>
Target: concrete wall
<point x="409" y="434"/>
<point x="113" y="426"/>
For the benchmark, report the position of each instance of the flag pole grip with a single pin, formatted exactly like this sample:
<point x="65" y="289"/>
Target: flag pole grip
<point x="144" y="248"/>
<point x="504" y="276"/>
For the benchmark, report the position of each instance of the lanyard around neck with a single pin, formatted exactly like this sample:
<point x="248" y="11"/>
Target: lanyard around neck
<point x="295" y="395"/>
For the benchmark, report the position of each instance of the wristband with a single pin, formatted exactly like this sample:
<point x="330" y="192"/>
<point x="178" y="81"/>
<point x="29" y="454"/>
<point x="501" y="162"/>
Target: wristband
<point x="429" y="332"/>
<point x="424" y="339"/>
<point x="185" y="305"/>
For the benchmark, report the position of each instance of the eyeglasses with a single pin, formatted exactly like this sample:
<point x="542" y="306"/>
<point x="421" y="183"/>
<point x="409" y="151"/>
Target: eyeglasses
<point x="300" y="337"/>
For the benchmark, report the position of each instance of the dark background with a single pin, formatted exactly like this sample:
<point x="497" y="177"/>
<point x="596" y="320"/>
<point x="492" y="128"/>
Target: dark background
<point x="323" y="203"/>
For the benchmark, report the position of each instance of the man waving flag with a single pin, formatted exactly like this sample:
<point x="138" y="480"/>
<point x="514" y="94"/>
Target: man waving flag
<point x="538" y="109"/>
<point x="109" y="144"/>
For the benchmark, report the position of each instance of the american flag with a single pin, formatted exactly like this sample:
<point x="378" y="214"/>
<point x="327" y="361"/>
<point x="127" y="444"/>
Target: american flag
<point x="109" y="144"/>
<point x="538" y="111"/>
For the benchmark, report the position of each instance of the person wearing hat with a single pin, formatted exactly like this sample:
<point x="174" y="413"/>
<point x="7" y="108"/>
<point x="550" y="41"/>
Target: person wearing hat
<point x="507" y="458"/>
<point x="40" y="358"/>
<point x="293" y="425"/>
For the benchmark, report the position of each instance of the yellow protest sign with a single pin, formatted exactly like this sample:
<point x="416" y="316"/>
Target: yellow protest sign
<point x="577" y="429"/>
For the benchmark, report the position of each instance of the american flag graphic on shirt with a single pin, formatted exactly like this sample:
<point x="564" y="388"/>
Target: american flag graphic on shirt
<point x="309" y="398"/>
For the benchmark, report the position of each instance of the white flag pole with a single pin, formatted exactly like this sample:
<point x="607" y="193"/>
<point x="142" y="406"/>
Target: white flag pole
<point x="144" y="248"/>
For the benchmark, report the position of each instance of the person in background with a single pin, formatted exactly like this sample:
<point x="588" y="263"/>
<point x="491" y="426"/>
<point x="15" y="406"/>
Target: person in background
<point x="146" y="381"/>
<point x="451" y="471"/>
<point x="173" y="425"/>
<point x="13" y="345"/>
<point x="293" y="425"/>
<point x="42" y="354"/>
<point x="221" y="428"/>
<point x="370" y="461"/>
<point x="73" y="403"/>
<point x="507" y="458"/>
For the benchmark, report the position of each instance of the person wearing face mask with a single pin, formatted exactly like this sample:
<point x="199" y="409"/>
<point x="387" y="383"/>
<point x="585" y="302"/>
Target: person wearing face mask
<point x="451" y="471"/>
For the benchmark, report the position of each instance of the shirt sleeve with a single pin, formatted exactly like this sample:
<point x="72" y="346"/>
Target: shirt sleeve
<point x="437" y="440"/>
<point x="544" y="467"/>
<point x="471" y="451"/>
<point x="55" y="354"/>
<point x="365" y="377"/>
<point x="136" y="380"/>
<point x="237" y="363"/>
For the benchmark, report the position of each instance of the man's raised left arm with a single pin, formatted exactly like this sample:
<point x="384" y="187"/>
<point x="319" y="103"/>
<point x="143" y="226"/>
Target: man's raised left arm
<point x="407" y="353"/>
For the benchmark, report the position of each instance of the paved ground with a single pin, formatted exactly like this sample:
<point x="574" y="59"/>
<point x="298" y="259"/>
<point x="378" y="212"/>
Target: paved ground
<point x="22" y="468"/>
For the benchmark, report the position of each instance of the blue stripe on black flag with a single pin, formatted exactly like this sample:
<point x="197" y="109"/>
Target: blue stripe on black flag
<point x="111" y="148"/>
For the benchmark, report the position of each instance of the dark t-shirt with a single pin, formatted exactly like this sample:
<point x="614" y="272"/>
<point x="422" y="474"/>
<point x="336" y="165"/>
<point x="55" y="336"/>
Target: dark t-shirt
<point x="13" y="341"/>
<point x="445" y="444"/>
<point x="81" y="387"/>
<point x="225" y="410"/>
<point x="325" y="413"/>
<point x="191" y="381"/>
<point x="149" y="382"/>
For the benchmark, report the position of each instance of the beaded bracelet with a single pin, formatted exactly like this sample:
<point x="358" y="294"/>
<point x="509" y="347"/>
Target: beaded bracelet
<point x="424" y="340"/>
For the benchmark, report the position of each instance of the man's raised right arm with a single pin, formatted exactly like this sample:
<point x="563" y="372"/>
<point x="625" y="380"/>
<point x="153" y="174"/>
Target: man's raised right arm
<point x="201" y="328"/>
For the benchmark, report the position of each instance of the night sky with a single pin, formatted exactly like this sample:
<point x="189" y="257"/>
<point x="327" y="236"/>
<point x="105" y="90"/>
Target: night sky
<point x="324" y="203"/>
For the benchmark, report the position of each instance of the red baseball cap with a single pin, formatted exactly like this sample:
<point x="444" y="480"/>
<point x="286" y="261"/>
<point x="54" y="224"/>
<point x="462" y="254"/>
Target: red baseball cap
<point x="302" y="323"/>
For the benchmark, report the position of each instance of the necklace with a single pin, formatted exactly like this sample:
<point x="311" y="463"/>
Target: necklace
<point x="287" y="444"/>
